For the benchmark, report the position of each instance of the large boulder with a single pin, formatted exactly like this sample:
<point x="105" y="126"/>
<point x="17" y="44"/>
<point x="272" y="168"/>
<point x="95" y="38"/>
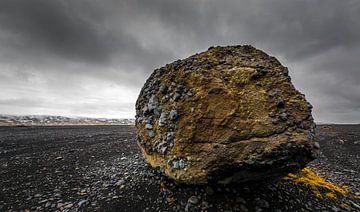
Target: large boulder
<point x="230" y="114"/>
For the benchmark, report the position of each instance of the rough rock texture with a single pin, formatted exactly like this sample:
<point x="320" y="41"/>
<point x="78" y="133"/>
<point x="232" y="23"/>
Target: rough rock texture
<point x="229" y="114"/>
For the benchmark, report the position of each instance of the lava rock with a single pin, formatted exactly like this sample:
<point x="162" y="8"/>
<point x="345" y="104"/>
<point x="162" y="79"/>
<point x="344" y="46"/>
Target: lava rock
<point x="233" y="116"/>
<point x="193" y="200"/>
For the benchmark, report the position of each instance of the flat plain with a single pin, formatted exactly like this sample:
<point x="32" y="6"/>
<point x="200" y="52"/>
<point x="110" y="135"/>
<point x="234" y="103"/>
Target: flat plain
<point x="100" y="168"/>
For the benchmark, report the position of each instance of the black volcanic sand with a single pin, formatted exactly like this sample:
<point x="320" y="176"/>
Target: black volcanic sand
<point x="100" y="168"/>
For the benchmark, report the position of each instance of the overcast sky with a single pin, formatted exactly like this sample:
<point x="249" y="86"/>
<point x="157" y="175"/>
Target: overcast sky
<point x="91" y="58"/>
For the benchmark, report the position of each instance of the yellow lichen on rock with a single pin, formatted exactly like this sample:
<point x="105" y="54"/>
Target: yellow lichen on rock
<point x="319" y="186"/>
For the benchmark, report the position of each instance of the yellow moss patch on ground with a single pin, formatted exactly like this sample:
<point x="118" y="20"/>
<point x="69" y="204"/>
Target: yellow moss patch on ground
<point x="306" y="177"/>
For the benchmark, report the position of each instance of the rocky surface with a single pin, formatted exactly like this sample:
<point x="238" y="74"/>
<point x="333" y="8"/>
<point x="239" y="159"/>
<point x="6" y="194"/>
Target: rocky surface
<point x="224" y="115"/>
<point x="100" y="168"/>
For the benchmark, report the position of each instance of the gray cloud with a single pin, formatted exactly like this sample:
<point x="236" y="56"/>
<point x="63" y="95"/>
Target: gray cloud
<point x="55" y="49"/>
<point x="53" y="27"/>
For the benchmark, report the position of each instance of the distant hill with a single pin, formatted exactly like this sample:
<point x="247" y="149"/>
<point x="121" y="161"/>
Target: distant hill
<point x="44" y="120"/>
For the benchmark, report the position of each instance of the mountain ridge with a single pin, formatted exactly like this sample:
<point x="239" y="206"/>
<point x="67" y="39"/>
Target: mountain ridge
<point x="53" y="120"/>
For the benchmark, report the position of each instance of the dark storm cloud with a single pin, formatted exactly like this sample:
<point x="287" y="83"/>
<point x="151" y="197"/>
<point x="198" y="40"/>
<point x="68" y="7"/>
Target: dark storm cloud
<point x="51" y="35"/>
<point x="80" y="30"/>
<point x="123" y="41"/>
<point x="47" y="30"/>
<point x="52" y="26"/>
<point x="298" y="28"/>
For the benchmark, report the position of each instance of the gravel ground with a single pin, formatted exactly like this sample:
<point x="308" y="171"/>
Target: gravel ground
<point x="99" y="168"/>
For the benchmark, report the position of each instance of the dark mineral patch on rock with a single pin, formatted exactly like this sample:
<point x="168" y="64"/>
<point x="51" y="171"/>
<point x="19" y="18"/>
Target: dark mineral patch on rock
<point x="229" y="114"/>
